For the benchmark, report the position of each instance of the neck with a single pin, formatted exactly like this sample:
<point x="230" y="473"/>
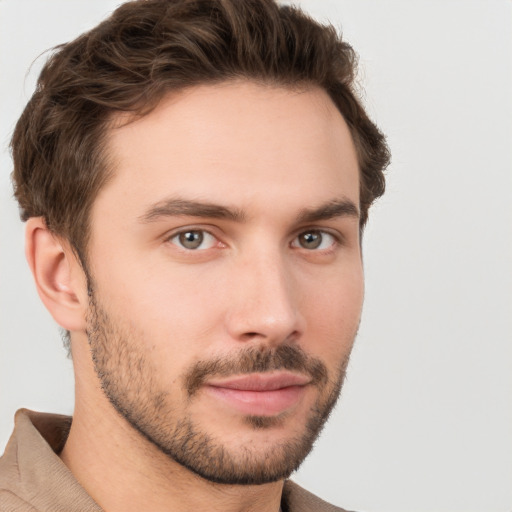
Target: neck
<point x="123" y="471"/>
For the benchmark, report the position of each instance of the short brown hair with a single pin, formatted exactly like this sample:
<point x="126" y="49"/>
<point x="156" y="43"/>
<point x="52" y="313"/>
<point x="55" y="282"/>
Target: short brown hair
<point x="148" y="48"/>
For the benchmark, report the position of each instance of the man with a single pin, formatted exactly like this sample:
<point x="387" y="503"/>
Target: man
<point x="195" y="177"/>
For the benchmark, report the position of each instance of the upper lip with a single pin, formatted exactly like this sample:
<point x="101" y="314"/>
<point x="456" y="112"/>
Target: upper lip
<point x="261" y="381"/>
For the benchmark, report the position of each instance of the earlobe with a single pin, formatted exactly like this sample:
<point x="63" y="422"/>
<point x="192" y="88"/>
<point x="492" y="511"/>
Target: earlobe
<point x="58" y="276"/>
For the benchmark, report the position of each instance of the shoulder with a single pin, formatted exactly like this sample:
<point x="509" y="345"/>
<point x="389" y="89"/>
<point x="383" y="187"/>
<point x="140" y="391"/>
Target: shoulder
<point x="297" y="499"/>
<point x="10" y="502"/>
<point x="9" y="480"/>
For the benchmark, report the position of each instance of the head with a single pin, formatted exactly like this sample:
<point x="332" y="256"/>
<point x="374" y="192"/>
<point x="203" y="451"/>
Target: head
<point x="211" y="168"/>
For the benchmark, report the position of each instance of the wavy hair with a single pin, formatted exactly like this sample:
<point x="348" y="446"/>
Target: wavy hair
<point x="143" y="51"/>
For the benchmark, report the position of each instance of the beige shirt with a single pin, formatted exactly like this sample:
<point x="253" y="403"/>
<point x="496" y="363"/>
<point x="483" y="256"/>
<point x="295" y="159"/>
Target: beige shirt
<point x="33" y="478"/>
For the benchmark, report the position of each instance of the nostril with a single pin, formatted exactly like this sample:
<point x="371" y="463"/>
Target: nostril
<point x="250" y="335"/>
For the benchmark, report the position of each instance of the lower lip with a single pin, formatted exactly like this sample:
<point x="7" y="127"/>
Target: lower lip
<point x="259" y="403"/>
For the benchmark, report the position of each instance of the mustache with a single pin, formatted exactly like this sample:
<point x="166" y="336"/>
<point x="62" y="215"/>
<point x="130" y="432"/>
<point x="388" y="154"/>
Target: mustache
<point x="257" y="360"/>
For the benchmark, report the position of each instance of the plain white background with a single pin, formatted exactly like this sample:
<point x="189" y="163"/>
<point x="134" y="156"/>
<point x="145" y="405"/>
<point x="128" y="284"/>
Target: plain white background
<point x="425" y="421"/>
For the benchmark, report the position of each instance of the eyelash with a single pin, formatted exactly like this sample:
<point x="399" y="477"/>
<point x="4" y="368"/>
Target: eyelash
<point x="184" y="232"/>
<point x="337" y="239"/>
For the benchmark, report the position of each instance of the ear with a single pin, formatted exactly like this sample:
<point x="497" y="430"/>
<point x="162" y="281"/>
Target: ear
<point x="58" y="275"/>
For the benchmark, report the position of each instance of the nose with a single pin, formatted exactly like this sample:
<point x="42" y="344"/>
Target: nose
<point x="264" y="301"/>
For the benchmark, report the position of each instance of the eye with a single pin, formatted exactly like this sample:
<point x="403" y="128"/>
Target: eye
<point x="194" y="239"/>
<point x="314" y="240"/>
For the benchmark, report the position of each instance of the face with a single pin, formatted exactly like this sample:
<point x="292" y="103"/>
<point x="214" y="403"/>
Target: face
<point x="226" y="277"/>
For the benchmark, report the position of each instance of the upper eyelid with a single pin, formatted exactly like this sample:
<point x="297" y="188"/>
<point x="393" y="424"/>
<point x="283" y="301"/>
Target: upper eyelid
<point x="337" y="239"/>
<point x="338" y="235"/>
<point x="170" y="237"/>
<point x="183" y="229"/>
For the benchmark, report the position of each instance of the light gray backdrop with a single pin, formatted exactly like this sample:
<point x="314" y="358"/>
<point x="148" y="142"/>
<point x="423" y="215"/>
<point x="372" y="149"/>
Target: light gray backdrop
<point x="425" y="423"/>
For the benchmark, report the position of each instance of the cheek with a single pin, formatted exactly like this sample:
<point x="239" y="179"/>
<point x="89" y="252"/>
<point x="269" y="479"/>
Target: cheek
<point x="155" y="291"/>
<point x="333" y="313"/>
<point x="170" y="315"/>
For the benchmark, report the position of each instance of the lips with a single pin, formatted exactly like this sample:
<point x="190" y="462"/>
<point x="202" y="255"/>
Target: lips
<point x="260" y="394"/>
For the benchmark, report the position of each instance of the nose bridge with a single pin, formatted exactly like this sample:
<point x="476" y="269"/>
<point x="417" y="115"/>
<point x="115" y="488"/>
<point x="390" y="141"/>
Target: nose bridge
<point x="264" y="303"/>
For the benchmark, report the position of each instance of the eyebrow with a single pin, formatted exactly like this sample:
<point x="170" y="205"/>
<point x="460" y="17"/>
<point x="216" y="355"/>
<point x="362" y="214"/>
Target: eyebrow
<point x="183" y="207"/>
<point x="177" y="207"/>
<point x="332" y="209"/>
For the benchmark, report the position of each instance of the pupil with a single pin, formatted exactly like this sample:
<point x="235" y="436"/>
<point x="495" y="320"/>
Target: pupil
<point x="311" y="240"/>
<point x="191" y="239"/>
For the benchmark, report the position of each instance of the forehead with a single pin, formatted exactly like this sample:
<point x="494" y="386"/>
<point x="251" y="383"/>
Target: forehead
<point x="231" y="142"/>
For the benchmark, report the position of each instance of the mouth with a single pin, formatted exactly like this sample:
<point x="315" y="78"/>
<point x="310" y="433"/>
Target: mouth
<point x="260" y="394"/>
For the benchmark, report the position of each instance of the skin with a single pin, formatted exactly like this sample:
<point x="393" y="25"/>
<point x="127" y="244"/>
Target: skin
<point x="271" y="156"/>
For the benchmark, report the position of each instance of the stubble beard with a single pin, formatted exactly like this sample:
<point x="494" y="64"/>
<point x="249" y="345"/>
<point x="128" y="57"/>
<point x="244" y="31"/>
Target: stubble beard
<point x="127" y="378"/>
